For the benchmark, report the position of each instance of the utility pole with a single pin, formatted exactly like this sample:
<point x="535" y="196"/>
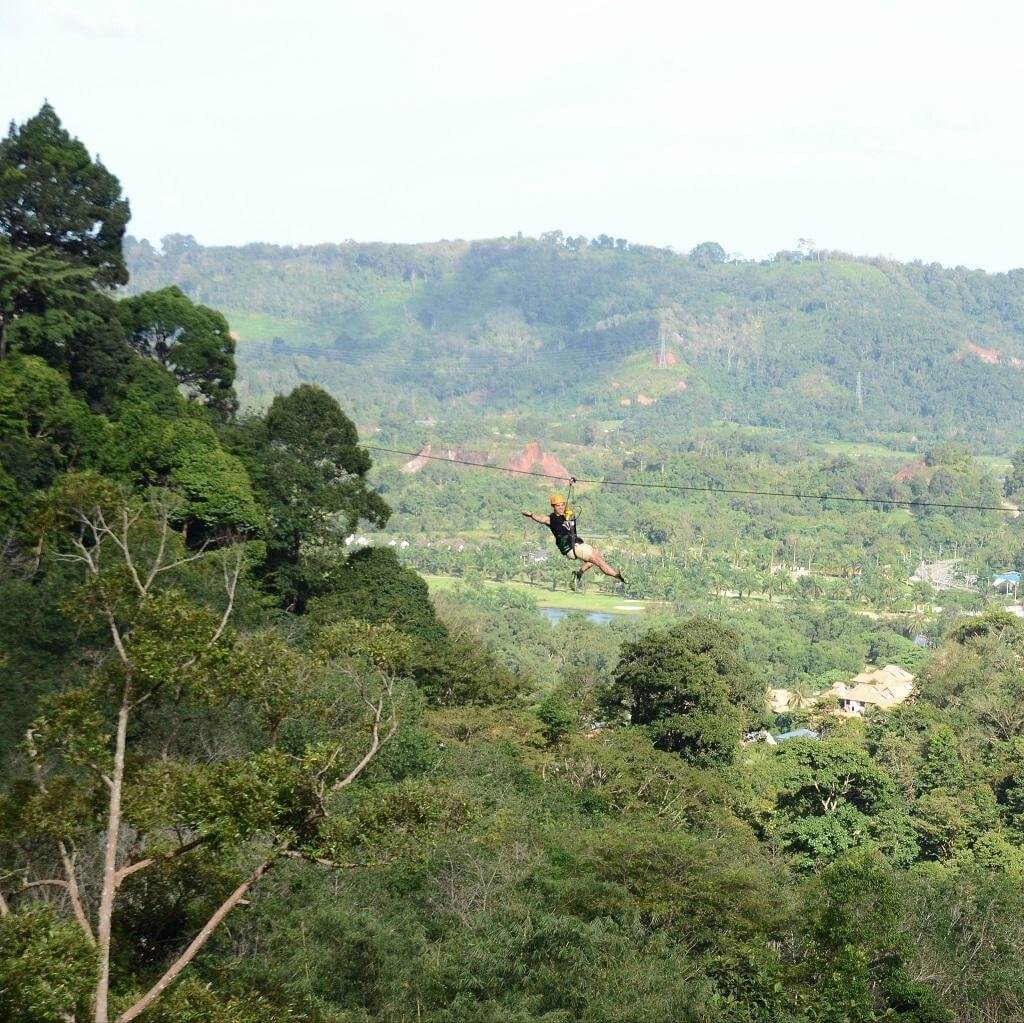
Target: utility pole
<point x="860" y="392"/>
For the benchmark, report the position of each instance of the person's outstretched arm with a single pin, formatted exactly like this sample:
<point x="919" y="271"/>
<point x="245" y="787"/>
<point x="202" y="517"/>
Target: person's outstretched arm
<point x="544" y="520"/>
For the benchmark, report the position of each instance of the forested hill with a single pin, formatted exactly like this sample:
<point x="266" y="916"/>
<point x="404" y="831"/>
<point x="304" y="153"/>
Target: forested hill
<point x="822" y="342"/>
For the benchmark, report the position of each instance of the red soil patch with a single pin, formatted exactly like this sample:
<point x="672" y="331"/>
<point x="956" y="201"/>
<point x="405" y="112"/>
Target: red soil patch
<point x="989" y="355"/>
<point x="532" y="459"/>
<point x="417" y="463"/>
<point x="909" y="471"/>
<point x="670" y="359"/>
<point x="642" y="399"/>
<point x="451" y="454"/>
<point x="681" y="386"/>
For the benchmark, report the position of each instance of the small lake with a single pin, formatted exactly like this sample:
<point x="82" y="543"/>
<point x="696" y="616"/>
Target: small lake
<point x="554" y="615"/>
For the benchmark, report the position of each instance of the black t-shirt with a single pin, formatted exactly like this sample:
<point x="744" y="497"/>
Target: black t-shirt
<point x="564" y="531"/>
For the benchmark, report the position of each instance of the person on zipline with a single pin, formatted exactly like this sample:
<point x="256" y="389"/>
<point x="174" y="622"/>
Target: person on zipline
<point x="562" y="523"/>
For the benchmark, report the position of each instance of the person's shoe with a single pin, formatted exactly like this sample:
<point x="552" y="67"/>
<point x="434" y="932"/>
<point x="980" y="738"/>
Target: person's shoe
<point x="622" y="579"/>
<point x="577" y="579"/>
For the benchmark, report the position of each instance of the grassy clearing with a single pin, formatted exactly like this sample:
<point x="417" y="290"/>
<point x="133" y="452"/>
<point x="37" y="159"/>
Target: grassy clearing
<point x="997" y="463"/>
<point x="544" y="596"/>
<point x="865" y="449"/>
<point x="258" y="328"/>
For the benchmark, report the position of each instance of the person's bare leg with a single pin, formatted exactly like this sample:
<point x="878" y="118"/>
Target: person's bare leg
<point x="599" y="562"/>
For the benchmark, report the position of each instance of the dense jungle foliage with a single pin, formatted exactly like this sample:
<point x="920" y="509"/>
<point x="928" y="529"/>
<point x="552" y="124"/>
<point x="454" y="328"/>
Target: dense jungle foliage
<point x="253" y="773"/>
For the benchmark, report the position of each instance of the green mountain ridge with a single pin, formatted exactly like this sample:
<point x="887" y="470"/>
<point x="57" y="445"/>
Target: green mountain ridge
<point x="824" y="344"/>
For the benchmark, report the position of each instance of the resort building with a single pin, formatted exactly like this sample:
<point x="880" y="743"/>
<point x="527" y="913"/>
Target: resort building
<point x="883" y="688"/>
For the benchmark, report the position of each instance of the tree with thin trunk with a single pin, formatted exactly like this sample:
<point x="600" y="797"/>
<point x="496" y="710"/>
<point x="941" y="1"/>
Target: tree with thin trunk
<point x="134" y="768"/>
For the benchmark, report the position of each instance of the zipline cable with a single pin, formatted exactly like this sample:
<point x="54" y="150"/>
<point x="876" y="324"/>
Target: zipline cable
<point x="705" y="490"/>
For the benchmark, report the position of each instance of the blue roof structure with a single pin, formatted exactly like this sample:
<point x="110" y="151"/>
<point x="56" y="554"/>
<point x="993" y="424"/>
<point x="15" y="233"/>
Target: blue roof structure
<point x="1012" y="578"/>
<point x="797" y="733"/>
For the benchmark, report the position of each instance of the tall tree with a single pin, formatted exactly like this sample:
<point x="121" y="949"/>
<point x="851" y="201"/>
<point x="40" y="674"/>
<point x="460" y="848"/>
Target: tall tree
<point x="309" y="473"/>
<point x="191" y="341"/>
<point x="53" y="195"/>
<point x="689" y="688"/>
<point x="62" y="220"/>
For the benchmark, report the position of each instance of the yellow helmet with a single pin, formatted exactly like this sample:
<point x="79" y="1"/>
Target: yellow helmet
<point x="556" y="499"/>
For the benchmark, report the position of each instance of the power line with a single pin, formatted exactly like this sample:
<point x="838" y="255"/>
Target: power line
<point x="704" y="490"/>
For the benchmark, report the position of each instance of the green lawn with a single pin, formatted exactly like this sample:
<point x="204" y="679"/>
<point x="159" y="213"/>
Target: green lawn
<point x="544" y="596"/>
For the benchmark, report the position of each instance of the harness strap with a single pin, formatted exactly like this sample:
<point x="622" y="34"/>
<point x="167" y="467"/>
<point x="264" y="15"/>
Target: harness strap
<point x="571" y="503"/>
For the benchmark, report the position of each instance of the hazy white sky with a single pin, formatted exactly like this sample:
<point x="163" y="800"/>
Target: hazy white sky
<point x="875" y="127"/>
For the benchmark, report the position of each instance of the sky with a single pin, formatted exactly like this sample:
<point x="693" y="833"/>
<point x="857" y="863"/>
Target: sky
<point x="878" y="128"/>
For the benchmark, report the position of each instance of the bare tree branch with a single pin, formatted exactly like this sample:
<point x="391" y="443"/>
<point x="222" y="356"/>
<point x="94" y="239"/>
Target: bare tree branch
<point x="172" y="565"/>
<point x="297" y="854"/>
<point x="115" y="632"/>
<point x="122" y="543"/>
<point x="164" y="531"/>
<point x="104" y="918"/>
<point x="231" y="585"/>
<point x="197" y="943"/>
<point x="376" y="739"/>
<point x="74" y="893"/>
<point x="46" y="882"/>
<point x="132" y="868"/>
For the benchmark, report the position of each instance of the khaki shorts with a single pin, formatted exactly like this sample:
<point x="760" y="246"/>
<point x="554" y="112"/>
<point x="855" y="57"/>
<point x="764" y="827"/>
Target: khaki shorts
<point x="581" y="552"/>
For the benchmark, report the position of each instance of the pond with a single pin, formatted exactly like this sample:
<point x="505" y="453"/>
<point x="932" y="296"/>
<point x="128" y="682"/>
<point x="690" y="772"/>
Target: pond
<point x="554" y="615"/>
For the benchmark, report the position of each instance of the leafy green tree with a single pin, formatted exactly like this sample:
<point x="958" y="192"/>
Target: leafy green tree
<point x="859" y="961"/>
<point x="944" y="824"/>
<point x="46" y="967"/>
<point x="62" y="220"/>
<point x="54" y="196"/>
<point x="191" y="341"/>
<point x="184" y="454"/>
<point x="942" y="767"/>
<point x="375" y="587"/>
<point x="994" y="622"/>
<point x="952" y="456"/>
<point x="689" y="688"/>
<point x="450" y="668"/>
<point x="43" y="429"/>
<point x="50" y="308"/>
<point x="833" y="798"/>
<point x="33" y="280"/>
<point x="1015" y="477"/>
<point x="309" y="474"/>
<point x="965" y="926"/>
<point x="707" y="254"/>
<point x="559" y="717"/>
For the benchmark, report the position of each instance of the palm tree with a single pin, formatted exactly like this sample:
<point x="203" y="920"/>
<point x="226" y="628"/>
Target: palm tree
<point x="804" y="694"/>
